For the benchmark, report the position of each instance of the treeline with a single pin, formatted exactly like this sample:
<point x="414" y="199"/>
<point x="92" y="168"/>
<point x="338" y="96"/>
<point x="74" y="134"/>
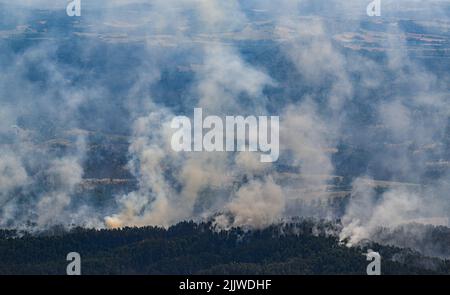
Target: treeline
<point x="191" y="248"/>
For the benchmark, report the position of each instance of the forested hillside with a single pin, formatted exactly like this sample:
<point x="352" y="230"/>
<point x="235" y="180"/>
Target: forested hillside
<point x="190" y="248"/>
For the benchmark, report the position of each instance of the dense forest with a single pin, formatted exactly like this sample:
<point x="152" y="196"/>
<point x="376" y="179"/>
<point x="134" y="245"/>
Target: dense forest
<point x="303" y="247"/>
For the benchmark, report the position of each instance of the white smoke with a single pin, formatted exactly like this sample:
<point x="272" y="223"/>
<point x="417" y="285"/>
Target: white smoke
<point x="235" y="189"/>
<point x="258" y="204"/>
<point x="63" y="176"/>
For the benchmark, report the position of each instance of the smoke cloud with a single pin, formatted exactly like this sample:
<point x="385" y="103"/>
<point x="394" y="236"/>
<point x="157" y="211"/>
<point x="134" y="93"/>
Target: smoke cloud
<point x="364" y="116"/>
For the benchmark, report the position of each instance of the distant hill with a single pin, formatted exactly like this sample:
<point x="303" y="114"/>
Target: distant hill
<point x="190" y="248"/>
